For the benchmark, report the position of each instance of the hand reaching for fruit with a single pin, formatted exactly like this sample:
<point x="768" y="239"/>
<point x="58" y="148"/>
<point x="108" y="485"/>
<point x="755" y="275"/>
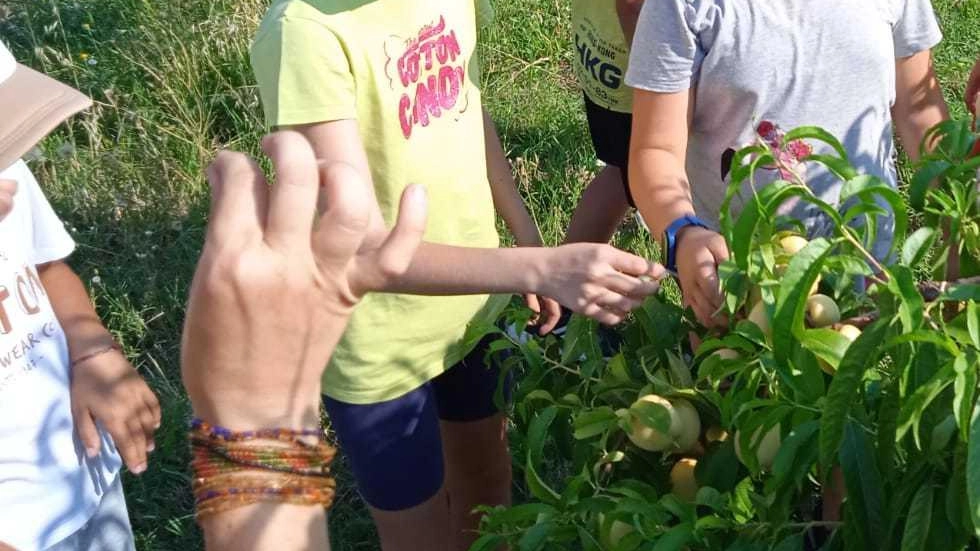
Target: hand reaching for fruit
<point x="699" y="252"/>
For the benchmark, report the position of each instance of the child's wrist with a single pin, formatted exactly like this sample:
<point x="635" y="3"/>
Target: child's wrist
<point x="94" y="348"/>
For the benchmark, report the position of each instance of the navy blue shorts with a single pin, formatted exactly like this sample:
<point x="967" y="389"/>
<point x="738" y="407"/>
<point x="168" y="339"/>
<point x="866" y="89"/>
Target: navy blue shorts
<point x="611" y="133"/>
<point x="395" y="448"/>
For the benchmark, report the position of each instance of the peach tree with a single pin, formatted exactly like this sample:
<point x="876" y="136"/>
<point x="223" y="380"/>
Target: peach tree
<point x="837" y="410"/>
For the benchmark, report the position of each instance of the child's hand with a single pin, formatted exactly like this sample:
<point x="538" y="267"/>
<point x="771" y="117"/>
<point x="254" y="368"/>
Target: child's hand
<point x="699" y="252"/>
<point x="7" y="190"/>
<point x="107" y="389"/>
<point x="598" y="281"/>
<point x="547" y="312"/>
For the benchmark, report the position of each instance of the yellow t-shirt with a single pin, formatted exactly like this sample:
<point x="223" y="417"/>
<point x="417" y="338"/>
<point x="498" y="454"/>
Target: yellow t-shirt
<point x="601" y="54"/>
<point x="408" y="73"/>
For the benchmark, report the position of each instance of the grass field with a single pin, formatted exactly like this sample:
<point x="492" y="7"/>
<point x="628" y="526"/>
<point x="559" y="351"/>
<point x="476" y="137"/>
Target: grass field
<point x="173" y="84"/>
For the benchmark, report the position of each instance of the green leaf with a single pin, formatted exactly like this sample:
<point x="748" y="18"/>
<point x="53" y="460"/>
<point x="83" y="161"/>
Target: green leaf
<point x="919" y="519"/>
<point x="536" y="536"/>
<point x="652" y="415"/>
<point x="911" y="305"/>
<point x="674" y="539"/>
<point x="888" y="411"/>
<point x="863" y="481"/>
<point x="973" y="322"/>
<point x="922" y="181"/>
<point x="973" y="468"/>
<point x="538" y="431"/>
<point x="538" y="487"/>
<point x="791" y="543"/>
<point x="868" y="189"/>
<point x="965" y="391"/>
<point x="961" y="293"/>
<point x="859" y="357"/>
<point x="838" y="166"/>
<point x="794" y="290"/>
<point x="787" y="466"/>
<point x="594" y="422"/>
<point x="827" y="344"/>
<point x="488" y="542"/>
<point x="524" y="513"/>
<point x="917" y="246"/>
<point x="916" y="404"/>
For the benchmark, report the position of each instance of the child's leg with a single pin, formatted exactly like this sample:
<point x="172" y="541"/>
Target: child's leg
<point x="108" y="529"/>
<point x="474" y="436"/>
<point x="600" y="210"/>
<point x="395" y="451"/>
<point x="606" y="199"/>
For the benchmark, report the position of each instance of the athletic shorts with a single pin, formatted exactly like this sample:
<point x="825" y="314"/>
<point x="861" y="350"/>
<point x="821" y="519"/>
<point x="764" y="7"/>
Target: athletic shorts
<point x="611" y="131"/>
<point x="395" y="449"/>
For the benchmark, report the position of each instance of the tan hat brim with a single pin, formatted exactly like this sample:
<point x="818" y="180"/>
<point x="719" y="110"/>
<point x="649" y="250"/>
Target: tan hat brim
<point x="31" y="106"/>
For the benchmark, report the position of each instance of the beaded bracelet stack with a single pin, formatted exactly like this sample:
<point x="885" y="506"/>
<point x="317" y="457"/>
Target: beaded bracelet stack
<point x="234" y="469"/>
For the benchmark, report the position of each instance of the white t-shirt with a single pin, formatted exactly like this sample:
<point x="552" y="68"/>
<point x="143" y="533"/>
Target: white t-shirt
<point x="48" y="487"/>
<point x="828" y="63"/>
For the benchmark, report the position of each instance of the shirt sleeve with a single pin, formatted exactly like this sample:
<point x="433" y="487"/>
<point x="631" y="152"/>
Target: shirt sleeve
<point x="485" y="14"/>
<point x="303" y="73"/>
<point x="49" y="240"/>
<point x="666" y="53"/>
<point x="916" y="28"/>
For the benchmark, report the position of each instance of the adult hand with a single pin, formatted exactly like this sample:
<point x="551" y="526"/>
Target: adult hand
<point x="699" y="252"/>
<point x="599" y="281"/>
<point x="272" y="292"/>
<point x="7" y="190"/>
<point x="106" y="388"/>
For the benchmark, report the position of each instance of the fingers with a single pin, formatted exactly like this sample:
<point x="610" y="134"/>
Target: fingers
<point x="87" y="432"/>
<point x="7" y="190"/>
<point x="550" y="316"/>
<point x="636" y="266"/>
<point x="346" y="215"/>
<point x="973" y="90"/>
<point x="532" y="302"/>
<point x="131" y="442"/>
<point x="239" y="196"/>
<point x="399" y="248"/>
<point x="150" y="420"/>
<point x="293" y="199"/>
<point x="631" y="286"/>
<point x="602" y="315"/>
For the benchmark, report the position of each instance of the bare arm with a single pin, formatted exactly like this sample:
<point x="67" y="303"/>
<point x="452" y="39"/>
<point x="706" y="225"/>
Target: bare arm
<point x="588" y="278"/>
<point x="658" y="180"/>
<point x="506" y="200"/>
<point x="919" y="103"/>
<point x="104" y="386"/>
<point x="973" y="89"/>
<point x="629" y="13"/>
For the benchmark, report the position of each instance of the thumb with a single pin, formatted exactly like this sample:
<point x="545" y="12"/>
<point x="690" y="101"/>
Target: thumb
<point x="87" y="432"/>
<point x="345" y="217"/>
<point x="403" y="240"/>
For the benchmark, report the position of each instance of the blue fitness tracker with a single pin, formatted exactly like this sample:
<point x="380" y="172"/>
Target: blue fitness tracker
<point x="670" y="237"/>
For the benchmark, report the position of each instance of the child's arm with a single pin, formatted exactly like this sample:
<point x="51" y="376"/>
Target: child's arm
<point x="629" y="14"/>
<point x="508" y="202"/>
<point x="104" y="386"/>
<point x="596" y="280"/>
<point x="919" y="103"/>
<point x="658" y="180"/>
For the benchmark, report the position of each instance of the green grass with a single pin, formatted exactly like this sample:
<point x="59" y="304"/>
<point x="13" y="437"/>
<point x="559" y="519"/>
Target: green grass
<point x="173" y="84"/>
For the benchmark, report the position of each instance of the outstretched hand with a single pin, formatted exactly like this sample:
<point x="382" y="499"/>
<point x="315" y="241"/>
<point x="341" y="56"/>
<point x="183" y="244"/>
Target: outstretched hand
<point x="276" y="282"/>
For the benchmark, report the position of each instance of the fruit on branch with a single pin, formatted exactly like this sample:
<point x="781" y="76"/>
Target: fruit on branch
<point x="851" y="333"/>
<point x="685" y="427"/>
<point x="716" y="434"/>
<point x="760" y="317"/>
<point x="765" y="450"/>
<point x="726" y="354"/>
<point x="682" y="481"/>
<point x="617" y="531"/>
<point x="822" y="311"/>
<point x="793" y="244"/>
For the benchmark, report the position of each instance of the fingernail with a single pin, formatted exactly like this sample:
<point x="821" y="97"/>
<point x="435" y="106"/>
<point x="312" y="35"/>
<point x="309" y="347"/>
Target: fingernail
<point x="140" y="469"/>
<point x="151" y="446"/>
<point x="91" y="452"/>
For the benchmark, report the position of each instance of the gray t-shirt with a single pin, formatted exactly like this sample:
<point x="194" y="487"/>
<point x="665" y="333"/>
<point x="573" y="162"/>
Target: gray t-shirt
<point x="829" y="63"/>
